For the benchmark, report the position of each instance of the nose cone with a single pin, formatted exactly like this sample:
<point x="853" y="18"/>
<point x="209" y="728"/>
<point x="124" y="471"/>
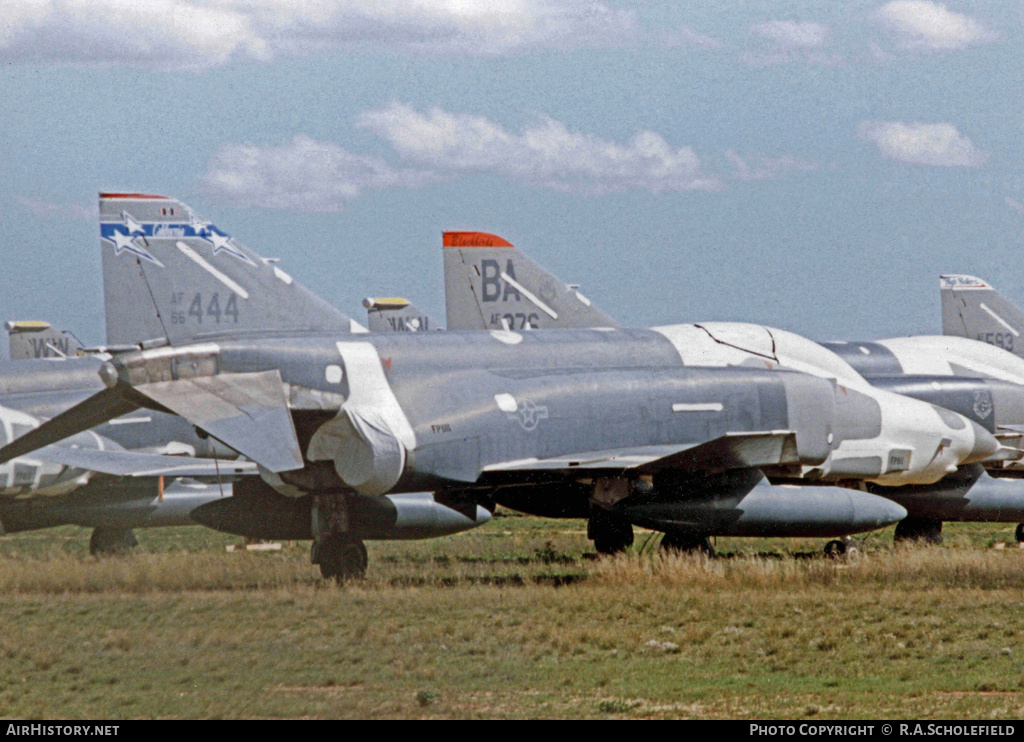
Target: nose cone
<point x="872" y="511"/>
<point x="985" y="445"/>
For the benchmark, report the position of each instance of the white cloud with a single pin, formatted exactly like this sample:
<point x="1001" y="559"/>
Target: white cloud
<point x="794" y="34"/>
<point x="303" y="174"/>
<point x="1015" y="205"/>
<point x="686" y="36"/>
<point x="921" y="25"/>
<point x="164" y="33"/>
<point x="939" y="145"/>
<point x="204" y="33"/>
<point x="308" y="175"/>
<point x="547" y="153"/>
<point x="764" y="168"/>
<point x="792" y="41"/>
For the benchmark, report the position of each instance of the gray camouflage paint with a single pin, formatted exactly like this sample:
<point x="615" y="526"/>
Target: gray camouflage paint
<point x="970" y="308"/>
<point x="406" y="412"/>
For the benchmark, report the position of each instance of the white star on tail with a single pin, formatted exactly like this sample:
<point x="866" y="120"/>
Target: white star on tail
<point x="131" y="225"/>
<point x="221" y="242"/>
<point x="123" y="241"/>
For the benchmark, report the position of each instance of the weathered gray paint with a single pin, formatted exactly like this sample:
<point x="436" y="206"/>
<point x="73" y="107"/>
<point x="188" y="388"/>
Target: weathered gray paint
<point x="973" y="309"/>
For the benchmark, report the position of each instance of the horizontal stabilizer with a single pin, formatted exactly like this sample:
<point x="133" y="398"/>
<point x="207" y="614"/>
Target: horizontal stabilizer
<point x="731" y="451"/>
<point x="247" y="412"/>
<point x="96" y="410"/>
<point x="134" y="464"/>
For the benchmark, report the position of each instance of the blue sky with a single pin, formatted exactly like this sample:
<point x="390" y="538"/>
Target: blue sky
<point x="807" y="165"/>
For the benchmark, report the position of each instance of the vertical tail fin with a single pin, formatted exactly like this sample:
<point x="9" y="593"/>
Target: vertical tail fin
<point x="396" y="315"/>
<point x="29" y="339"/>
<point x="170" y="275"/>
<point x="491" y="285"/>
<point x="973" y="309"/>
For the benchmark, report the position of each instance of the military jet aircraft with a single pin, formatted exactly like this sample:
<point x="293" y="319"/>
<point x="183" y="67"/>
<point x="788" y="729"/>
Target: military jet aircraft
<point x="491" y="283"/>
<point x="92" y="481"/>
<point x="139" y="470"/>
<point x="625" y="426"/>
<point x="974" y="368"/>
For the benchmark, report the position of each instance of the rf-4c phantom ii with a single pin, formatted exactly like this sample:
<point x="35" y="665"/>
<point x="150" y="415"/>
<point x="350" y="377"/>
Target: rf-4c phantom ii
<point x="139" y="470"/>
<point x="667" y="428"/>
<point x="491" y="284"/>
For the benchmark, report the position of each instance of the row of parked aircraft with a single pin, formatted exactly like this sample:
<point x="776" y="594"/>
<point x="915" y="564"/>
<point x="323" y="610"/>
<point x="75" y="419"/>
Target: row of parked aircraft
<point x="229" y="395"/>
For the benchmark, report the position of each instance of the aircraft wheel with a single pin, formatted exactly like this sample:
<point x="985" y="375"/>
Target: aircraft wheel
<point x="919" y="529"/>
<point x="846" y="551"/>
<point x="109" y="541"/>
<point x="341" y="558"/>
<point x="611" y="533"/>
<point x="852" y="553"/>
<point x="688" y="543"/>
<point x="1019" y="533"/>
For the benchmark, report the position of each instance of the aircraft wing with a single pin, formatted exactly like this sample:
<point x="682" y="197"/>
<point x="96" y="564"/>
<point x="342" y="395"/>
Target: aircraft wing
<point x="135" y="464"/>
<point x="730" y="451"/>
<point x="96" y="410"/>
<point x="247" y="412"/>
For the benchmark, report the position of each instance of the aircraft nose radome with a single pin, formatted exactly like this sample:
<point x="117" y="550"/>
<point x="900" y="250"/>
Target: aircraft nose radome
<point x="985" y="444"/>
<point x="877" y="512"/>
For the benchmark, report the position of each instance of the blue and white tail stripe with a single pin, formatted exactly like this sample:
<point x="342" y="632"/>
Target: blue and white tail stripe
<point x="130" y="235"/>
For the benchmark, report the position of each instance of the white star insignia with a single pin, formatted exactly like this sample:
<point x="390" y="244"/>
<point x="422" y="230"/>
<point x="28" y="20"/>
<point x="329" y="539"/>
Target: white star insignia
<point x="222" y="241"/>
<point x="131" y="225"/>
<point x="123" y="241"/>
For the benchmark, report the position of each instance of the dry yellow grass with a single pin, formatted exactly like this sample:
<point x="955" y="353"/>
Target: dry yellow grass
<point x="511" y="622"/>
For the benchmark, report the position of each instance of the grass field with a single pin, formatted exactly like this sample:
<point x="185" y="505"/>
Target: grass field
<point x="513" y="620"/>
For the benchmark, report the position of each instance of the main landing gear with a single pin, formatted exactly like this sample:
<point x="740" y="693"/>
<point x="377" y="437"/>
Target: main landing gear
<point x="610" y="532"/>
<point x="109" y="541"/>
<point x="677" y="543"/>
<point x="846" y="550"/>
<point x="340" y="555"/>
<point x="920" y="530"/>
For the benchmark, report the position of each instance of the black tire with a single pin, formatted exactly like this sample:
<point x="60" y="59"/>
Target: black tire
<point x="1019" y="533"/>
<point x="108" y="541"/>
<point x="919" y="530"/>
<point x="342" y="558"/>
<point x="680" y="543"/>
<point x="611" y="533"/>
<point x="851" y="552"/>
<point x="843" y="551"/>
